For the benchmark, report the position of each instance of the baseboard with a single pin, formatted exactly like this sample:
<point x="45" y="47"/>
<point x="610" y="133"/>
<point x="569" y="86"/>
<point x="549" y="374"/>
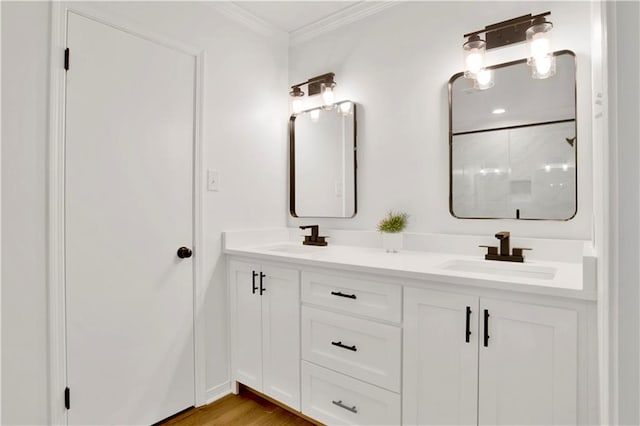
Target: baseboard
<point x="217" y="392"/>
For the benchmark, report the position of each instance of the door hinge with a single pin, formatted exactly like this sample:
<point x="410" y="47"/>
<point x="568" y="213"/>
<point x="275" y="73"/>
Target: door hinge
<point x="67" y="398"/>
<point x="66" y="59"/>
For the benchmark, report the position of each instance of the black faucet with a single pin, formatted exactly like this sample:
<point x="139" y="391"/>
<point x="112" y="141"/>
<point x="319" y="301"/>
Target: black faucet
<point x="504" y="237"/>
<point x="505" y="250"/>
<point x="314" y="239"/>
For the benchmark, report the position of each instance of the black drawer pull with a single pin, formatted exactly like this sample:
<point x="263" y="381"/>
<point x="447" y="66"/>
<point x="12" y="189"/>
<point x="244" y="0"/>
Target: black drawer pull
<point x="468" y="330"/>
<point x="340" y="345"/>
<point x="341" y="294"/>
<point x="341" y="405"/>
<point x="486" y="328"/>
<point x="254" y="287"/>
<point x="262" y="289"/>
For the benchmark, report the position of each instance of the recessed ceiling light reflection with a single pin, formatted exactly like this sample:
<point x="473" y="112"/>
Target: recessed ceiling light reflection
<point x="499" y="111"/>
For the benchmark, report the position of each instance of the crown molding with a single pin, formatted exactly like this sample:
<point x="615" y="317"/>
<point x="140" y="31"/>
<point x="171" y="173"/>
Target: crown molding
<point x="341" y="18"/>
<point x="238" y="14"/>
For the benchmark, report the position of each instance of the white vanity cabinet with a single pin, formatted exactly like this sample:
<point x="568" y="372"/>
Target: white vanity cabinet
<point x="477" y="360"/>
<point x="265" y="329"/>
<point x="376" y="344"/>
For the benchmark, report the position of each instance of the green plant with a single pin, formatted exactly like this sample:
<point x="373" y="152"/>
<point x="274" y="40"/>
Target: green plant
<point x="394" y="222"/>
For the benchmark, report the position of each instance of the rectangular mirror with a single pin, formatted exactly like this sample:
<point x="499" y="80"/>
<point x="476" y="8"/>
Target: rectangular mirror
<point x="322" y="145"/>
<point x="513" y="146"/>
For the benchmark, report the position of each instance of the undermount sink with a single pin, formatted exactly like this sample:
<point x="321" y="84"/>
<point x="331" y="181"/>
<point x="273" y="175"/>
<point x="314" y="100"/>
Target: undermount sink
<point x="502" y="269"/>
<point x="294" y="249"/>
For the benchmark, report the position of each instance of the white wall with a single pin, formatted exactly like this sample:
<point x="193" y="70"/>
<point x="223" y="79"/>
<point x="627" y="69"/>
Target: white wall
<point x="623" y="21"/>
<point x="25" y="46"/>
<point x="396" y="65"/>
<point x="244" y="138"/>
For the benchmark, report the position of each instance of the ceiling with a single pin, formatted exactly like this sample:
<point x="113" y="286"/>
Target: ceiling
<point x="289" y="16"/>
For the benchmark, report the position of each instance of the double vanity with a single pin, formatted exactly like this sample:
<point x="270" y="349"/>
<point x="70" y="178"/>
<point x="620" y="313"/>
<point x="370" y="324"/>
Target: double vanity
<point x="435" y="334"/>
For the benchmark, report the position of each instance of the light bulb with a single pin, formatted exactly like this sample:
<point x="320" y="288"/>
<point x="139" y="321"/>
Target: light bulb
<point x="314" y="115"/>
<point x="297" y="105"/>
<point x="484" y="79"/>
<point x="539" y="41"/>
<point x="345" y="108"/>
<point x="544" y="67"/>
<point x="540" y="46"/>
<point x="473" y="52"/>
<point x="474" y="61"/>
<point x="328" y="94"/>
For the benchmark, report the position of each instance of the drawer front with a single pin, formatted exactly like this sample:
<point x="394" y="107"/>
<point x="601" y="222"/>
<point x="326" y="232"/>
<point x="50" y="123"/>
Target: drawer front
<point x="333" y="398"/>
<point x="360" y="348"/>
<point x="371" y="298"/>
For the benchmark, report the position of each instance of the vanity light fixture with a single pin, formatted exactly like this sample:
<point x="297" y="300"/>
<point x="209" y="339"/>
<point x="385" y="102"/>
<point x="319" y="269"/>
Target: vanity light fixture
<point x="473" y="51"/>
<point x="319" y="85"/>
<point x="533" y="28"/>
<point x="297" y="104"/>
<point x="540" y="59"/>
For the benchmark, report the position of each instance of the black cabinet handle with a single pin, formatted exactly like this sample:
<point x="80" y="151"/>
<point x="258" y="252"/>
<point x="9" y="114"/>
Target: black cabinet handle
<point x="341" y="294"/>
<point x="341" y="405"/>
<point x="340" y="345"/>
<point x="468" y="330"/>
<point x="262" y="289"/>
<point x="253" y="282"/>
<point x="486" y="328"/>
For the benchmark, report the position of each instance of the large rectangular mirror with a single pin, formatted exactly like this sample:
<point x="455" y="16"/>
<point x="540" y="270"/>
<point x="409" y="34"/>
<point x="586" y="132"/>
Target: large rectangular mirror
<point x="323" y="162"/>
<point x="513" y="146"/>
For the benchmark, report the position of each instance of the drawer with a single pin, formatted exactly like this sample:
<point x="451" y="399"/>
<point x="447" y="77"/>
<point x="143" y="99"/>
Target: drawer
<point x="334" y="398"/>
<point x="371" y="298"/>
<point x="360" y="348"/>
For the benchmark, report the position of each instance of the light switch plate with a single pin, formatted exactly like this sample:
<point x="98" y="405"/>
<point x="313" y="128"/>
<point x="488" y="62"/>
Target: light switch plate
<point x="213" y="180"/>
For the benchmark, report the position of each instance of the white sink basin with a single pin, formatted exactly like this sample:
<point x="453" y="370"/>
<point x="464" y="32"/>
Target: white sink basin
<point x="294" y="249"/>
<point x="501" y="269"/>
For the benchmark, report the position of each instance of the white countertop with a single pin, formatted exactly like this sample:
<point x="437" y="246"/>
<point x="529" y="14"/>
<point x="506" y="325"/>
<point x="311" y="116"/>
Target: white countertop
<point x="567" y="281"/>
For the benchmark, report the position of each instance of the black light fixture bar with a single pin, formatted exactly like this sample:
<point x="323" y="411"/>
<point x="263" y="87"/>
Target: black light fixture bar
<point x="314" y="83"/>
<point x="509" y="31"/>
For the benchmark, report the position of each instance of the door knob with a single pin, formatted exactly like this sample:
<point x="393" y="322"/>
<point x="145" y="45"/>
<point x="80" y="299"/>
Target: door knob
<point x="184" y="252"/>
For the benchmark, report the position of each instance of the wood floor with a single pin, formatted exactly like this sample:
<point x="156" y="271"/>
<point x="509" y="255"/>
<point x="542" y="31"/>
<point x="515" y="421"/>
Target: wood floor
<point x="245" y="408"/>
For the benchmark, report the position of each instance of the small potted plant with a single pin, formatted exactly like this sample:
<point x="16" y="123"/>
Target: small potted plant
<point x="391" y="228"/>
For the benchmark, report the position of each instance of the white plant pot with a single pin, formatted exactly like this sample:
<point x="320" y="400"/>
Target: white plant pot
<point x="392" y="242"/>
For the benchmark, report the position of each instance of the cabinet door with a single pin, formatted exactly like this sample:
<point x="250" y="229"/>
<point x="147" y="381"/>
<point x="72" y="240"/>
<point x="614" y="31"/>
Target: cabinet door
<point x="281" y="335"/>
<point x="440" y="358"/>
<point x="246" y="320"/>
<point x="528" y="364"/>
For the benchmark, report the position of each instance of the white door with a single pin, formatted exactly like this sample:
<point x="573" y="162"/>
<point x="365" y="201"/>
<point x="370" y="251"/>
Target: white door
<point x="246" y="323"/>
<point x="528" y="365"/>
<point x="440" y="358"/>
<point x="281" y="335"/>
<point x="128" y="192"/>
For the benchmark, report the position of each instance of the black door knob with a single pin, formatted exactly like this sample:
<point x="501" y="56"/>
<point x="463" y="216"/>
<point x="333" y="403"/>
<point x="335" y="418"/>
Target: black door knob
<point x="184" y="252"/>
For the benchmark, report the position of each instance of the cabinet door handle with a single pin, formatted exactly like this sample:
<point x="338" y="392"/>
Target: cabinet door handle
<point x="346" y="407"/>
<point x="262" y="289"/>
<point x="340" y="345"/>
<point x="486" y="328"/>
<point x="253" y="282"/>
<point x="468" y="330"/>
<point x="341" y="294"/>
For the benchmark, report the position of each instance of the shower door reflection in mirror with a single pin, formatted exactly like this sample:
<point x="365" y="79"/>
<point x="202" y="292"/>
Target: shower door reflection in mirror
<point x="513" y="146"/>
<point x="323" y="162"/>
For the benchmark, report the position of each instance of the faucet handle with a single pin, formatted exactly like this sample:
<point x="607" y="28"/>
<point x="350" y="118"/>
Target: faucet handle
<point x="517" y="251"/>
<point x="490" y="249"/>
<point x="315" y="229"/>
